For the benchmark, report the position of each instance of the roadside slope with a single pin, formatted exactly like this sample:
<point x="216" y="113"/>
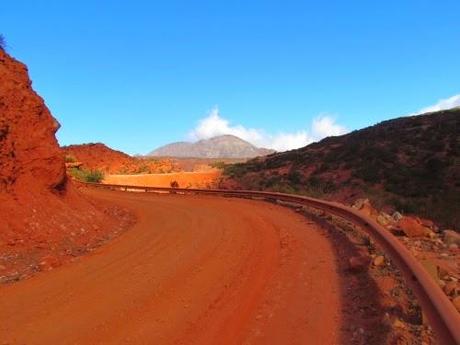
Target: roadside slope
<point x="410" y="164"/>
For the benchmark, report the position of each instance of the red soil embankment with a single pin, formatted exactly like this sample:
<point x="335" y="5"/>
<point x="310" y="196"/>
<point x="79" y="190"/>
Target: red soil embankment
<point x="97" y="156"/>
<point x="204" y="179"/>
<point x="44" y="221"/>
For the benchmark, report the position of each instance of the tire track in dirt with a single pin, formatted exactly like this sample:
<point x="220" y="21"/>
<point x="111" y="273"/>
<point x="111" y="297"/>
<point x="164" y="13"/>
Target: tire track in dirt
<point x="193" y="270"/>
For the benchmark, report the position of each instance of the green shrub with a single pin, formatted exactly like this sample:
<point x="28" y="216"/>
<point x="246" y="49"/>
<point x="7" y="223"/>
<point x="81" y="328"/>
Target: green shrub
<point x="319" y="186"/>
<point x="218" y="164"/>
<point x="92" y="176"/>
<point x="70" y="159"/>
<point x="295" y="177"/>
<point x="368" y="172"/>
<point x="77" y="174"/>
<point x="123" y="170"/>
<point x="235" y="170"/>
<point x="143" y="169"/>
<point x="271" y="181"/>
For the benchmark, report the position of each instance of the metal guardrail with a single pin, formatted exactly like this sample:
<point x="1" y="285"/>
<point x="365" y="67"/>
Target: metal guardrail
<point x="440" y="312"/>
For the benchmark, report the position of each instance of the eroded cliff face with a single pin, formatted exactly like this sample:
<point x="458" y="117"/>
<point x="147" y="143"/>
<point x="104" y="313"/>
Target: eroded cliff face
<point x="44" y="219"/>
<point x="29" y="153"/>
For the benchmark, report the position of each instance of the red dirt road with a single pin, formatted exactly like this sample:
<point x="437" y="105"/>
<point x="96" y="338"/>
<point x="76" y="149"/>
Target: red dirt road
<point x="193" y="270"/>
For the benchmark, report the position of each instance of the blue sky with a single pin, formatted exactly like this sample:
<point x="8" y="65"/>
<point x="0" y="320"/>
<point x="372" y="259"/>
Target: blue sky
<point x="139" y="74"/>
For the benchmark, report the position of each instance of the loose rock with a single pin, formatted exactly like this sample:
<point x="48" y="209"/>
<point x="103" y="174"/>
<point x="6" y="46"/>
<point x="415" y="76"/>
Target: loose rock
<point x="456" y="302"/>
<point x="384" y="219"/>
<point x="451" y="237"/>
<point x="397" y="216"/>
<point x="398" y="324"/>
<point x="379" y="260"/>
<point x="451" y="288"/>
<point x="412" y="228"/>
<point x="453" y="247"/>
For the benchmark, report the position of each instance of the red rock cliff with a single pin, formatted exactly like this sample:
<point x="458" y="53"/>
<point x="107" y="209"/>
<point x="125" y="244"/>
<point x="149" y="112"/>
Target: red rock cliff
<point x="43" y="218"/>
<point x="29" y="152"/>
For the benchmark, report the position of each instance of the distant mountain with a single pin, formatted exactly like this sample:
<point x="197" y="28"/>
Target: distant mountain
<point x="223" y="146"/>
<point x="411" y="164"/>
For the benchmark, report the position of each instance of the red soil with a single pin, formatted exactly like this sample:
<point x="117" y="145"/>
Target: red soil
<point x="203" y="179"/>
<point x="189" y="272"/>
<point x="44" y="220"/>
<point x="100" y="157"/>
<point x="192" y="272"/>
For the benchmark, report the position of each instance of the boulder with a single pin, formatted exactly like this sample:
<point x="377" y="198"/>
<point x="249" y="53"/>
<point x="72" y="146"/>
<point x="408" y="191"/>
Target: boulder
<point x="384" y="219"/>
<point x="358" y="204"/>
<point x="428" y="224"/>
<point x="399" y="324"/>
<point x="397" y="216"/>
<point x="451" y="237"/>
<point x="379" y="260"/>
<point x="368" y="209"/>
<point x="413" y="228"/>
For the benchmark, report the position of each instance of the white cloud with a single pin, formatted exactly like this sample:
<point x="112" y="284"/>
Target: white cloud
<point x="288" y="141"/>
<point x="325" y="126"/>
<point x="443" y="104"/>
<point x="213" y="124"/>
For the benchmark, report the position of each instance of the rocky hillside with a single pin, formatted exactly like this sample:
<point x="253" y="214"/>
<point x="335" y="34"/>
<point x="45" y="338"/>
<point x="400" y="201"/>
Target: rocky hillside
<point x="224" y="146"/>
<point x="44" y="219"/>
<point x="411" y="164"/>
<point x="97" y="156"/>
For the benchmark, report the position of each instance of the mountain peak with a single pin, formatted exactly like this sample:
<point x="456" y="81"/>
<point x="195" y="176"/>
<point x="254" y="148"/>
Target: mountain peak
<point x="222" y="146"/>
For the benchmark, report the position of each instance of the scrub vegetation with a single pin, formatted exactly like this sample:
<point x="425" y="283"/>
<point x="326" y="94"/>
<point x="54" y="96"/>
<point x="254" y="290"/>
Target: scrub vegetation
<point x="411" y="164"/>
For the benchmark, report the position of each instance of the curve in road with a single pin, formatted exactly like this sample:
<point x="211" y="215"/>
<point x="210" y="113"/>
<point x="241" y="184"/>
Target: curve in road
<point x="192" y="270"/>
